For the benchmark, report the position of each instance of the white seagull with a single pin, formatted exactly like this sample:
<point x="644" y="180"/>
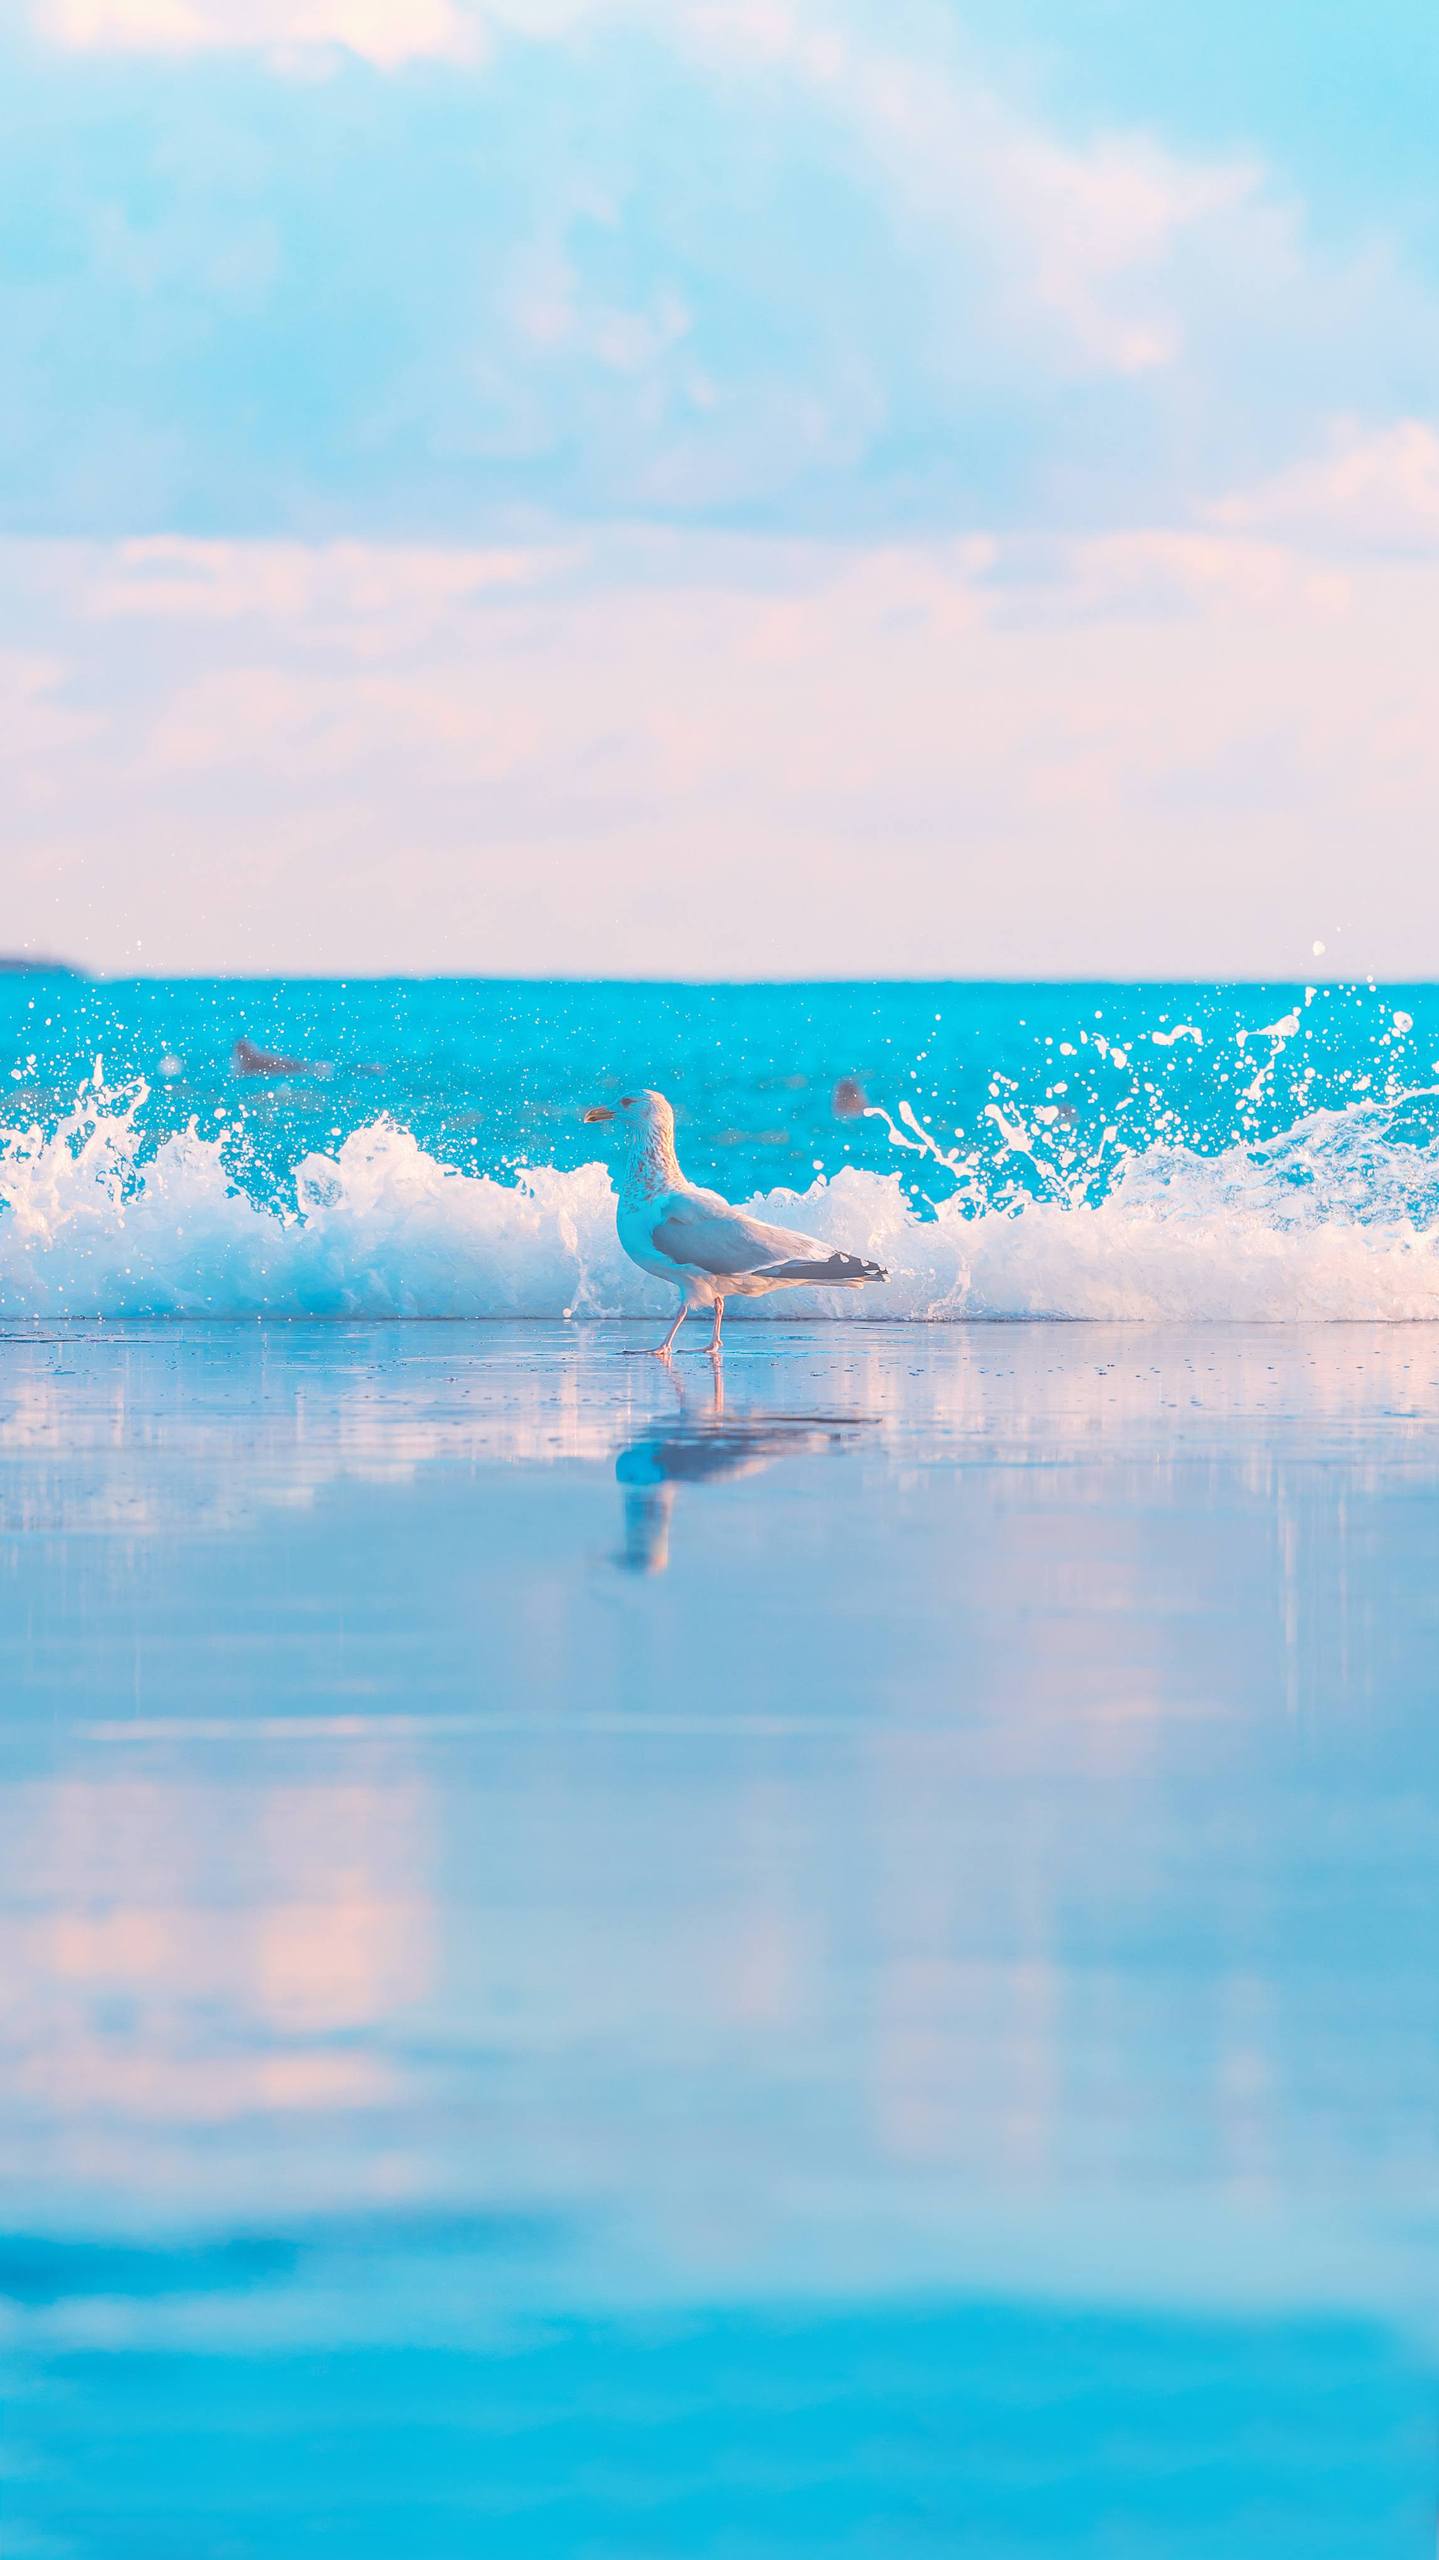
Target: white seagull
<point x="694" y="1238"/>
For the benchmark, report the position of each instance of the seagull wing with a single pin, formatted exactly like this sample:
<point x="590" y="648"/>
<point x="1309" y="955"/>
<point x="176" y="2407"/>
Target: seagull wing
<point x="701" y="1231"/>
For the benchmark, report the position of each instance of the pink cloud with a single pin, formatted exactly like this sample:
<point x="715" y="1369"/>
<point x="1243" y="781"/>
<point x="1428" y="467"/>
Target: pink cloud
<point x="1165" y="753"/>
<point x="1374" y="489"/>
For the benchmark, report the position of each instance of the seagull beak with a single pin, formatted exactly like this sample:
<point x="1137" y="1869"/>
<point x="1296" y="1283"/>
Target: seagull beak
<point x="599" y="1111"/>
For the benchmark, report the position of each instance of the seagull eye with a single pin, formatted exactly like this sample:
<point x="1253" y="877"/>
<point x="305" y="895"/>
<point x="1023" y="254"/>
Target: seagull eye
<point x="627" y="1102"/>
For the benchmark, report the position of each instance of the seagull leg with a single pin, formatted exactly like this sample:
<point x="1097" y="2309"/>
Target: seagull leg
<point x="663" y="1351"/>
<point x="716" y="1346"/>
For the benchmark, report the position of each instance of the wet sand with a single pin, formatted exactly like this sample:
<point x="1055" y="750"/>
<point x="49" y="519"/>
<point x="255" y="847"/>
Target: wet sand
<point x="594" y="1965"/>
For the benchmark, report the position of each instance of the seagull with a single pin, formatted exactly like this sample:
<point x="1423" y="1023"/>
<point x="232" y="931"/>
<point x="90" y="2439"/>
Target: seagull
<point x="694" y="1238"/>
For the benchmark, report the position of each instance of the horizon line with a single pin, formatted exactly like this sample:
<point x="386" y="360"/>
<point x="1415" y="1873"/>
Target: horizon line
<point x="80" y="974"/>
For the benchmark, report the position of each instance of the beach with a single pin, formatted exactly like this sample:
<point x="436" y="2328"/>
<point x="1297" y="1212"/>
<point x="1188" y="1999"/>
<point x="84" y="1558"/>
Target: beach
<point x="602" y="1959"/>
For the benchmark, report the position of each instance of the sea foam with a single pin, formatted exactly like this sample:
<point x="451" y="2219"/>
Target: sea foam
<point x="1337" y="1217"/>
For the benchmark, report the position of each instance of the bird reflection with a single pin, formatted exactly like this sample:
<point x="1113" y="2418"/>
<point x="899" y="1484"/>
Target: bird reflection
<point x="706" y="1445"/>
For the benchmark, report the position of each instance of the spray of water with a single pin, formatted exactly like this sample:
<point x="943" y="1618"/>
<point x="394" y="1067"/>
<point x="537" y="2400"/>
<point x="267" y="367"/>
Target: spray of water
<point x="1034" y="1211"/>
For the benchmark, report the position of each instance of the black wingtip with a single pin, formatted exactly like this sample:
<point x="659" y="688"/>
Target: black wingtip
<point x="837" y="1271"/>
<point x="850" y="1266"/>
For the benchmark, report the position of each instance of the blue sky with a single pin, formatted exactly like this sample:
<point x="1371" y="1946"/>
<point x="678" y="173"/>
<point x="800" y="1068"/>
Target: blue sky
<point x="1074" y="361"/>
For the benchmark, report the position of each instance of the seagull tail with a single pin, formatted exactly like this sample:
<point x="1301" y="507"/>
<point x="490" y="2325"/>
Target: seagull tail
<point x="828" y="1271"/>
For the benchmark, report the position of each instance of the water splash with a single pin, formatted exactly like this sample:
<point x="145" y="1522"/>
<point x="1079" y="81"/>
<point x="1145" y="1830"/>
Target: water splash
<point x="1336" y="1215"/>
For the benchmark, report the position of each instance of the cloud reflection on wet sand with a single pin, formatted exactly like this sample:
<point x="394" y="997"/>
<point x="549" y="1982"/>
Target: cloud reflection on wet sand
<point x="988" y="1856"/>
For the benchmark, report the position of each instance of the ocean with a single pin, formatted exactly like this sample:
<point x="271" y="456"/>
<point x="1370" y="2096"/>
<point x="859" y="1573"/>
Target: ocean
<point x="1115" y="1152"/>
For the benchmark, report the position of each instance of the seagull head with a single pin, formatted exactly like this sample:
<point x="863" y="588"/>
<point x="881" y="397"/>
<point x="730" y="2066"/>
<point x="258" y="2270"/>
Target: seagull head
<point x="643" y="1117"/>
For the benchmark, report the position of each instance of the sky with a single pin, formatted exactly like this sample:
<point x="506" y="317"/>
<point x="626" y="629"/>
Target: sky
<point x="720" y="487"/>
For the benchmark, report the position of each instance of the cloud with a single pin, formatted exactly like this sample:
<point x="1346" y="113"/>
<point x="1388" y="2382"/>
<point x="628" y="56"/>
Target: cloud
<point x="387" y="33"/>
<point x="785" y="265"/>
<point x="1083" y="232"/>
<point x="345" y="590"/>
<point x="1149" y="572"/>
<point x="1163" y="755"/>
<point x="1372" y="489"/>
<point x="661" y="438"/>
<point x="35" y="721"/>
<point x="650" y="256"/>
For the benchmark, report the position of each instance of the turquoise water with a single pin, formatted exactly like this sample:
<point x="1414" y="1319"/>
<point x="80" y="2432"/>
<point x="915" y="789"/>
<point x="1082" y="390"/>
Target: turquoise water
<point x="1192" y="1152"/>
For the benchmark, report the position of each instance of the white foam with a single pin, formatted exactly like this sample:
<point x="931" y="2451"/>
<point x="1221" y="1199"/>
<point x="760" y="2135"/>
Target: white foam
<point x="1334" y="1219"/>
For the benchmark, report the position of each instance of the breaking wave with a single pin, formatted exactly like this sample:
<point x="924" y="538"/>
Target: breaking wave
<point x="1337" y="1217"/>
